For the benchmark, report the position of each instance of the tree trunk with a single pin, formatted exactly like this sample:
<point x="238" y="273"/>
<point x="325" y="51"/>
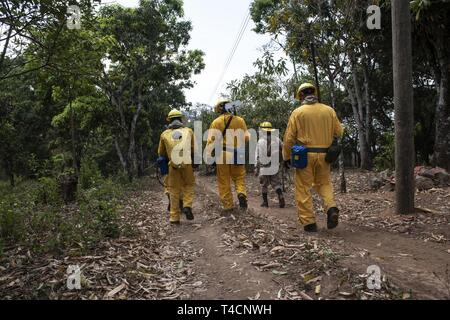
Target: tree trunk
<point x="141" y="160"/>
<point x="343" y="182"/>
<point x="442" y="135"/>
<point x="12" y="182"/>
<point x="364" y="150"/>
<point x="368" y="119"/>
<point x="8" y="37"/>
<point x="316" y="73"/>
<point x="75" y="161"/>
<point x="120" y="155"/>
<point x="404" y="109"/>
<point x="132" y="159"/>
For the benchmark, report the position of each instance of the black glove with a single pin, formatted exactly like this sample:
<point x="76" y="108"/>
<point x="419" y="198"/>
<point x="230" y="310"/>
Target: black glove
<point x="287" y="164"/>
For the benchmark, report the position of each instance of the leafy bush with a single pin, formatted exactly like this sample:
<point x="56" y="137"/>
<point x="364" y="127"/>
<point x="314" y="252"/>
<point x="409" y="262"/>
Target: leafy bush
<point x="100" y="205"/>
<point x="12" y="224"/>
<point x="33" y="216"/>
<point x="107" y="219"/>
<point x="48" y="191"/>
<point x="121" y="178"/>
<point x="90" y="174"/>
<point x="18" y="206"/>
<point x="386" y="157"/>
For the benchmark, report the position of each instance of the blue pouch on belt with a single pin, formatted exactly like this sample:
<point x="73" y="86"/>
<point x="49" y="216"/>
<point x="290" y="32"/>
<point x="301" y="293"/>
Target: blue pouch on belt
<point x="163" y="164"/>
<point x="299" y="157"/>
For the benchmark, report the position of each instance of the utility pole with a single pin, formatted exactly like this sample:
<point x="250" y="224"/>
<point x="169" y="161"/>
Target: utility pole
<point x="404" y="109"/>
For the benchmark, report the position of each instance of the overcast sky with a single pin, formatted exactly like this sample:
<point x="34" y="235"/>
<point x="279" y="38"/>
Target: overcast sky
<point x="216" y="24"/>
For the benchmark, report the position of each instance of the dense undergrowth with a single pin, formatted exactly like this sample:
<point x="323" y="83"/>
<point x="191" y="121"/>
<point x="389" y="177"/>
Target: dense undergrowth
<point x="33" y="214"/>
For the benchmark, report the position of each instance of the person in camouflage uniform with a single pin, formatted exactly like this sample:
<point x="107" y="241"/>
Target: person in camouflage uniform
<point x="269" y="147"/>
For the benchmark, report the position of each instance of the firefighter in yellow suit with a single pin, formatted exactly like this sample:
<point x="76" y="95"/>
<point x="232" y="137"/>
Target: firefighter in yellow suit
<point x="314" y="126"/>
<point x="177" y="145"/>
<point x="227" y="169"/>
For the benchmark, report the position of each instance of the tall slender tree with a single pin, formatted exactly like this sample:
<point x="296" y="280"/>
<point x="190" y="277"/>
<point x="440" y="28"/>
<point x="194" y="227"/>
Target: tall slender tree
<point x="404" y="108"/>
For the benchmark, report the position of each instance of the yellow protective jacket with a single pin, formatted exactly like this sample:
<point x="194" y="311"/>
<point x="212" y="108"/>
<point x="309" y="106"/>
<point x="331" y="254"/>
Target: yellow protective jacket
<point x="178" y="145"/>
<point x="236" y="124"/>
<point x="313" y="126"/>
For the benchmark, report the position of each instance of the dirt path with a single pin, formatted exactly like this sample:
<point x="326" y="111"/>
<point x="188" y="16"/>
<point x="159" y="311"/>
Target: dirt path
<point x="410" y="263"/>
<point x="419" y="268"/>
<point x="260" y="254"/>
<point x="223" y="273"/>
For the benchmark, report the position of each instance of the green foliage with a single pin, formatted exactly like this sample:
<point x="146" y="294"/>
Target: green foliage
<point x="100" y="205"/>
<point x="90" y="174"/>
<point x="418" y="5"/>
<point x="353" y="63"/>
<point x="386" y="156"/>
<point x="32" y="215"/>
<point x="12" y="224"/>
<point x="16" y="206"/>
<point x="264" y="95"/>
<point x="48" y="192"/>
<point x="75" y="106"/>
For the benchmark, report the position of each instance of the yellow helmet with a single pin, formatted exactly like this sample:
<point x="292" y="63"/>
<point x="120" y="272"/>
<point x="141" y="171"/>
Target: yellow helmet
<point x="220" y="104"/>
<point x="305" y="86"/>
<point x="266" y="126"/>
<point x="174" y="114"/>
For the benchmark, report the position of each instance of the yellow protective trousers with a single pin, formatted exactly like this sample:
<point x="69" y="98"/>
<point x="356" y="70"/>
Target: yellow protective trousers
<point x="166" y="185"/>
<point x="180" y="184"/>
<point x="225" y="174"/>
<point x="318" y="175"/>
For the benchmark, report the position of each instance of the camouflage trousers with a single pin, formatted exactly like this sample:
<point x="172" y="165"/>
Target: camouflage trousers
<point x="274" y="181"/>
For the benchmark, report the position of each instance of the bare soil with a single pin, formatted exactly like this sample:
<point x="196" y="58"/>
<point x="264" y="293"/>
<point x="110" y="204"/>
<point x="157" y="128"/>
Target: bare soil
<point x="412" y="251"/>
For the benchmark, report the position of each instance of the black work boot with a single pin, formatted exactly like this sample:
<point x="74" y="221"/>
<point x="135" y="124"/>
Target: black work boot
<point x="311" y="228"/>
<point x="243" y="201"/>
<point x="281" y="199"/>
<point x="332" y="218"/>
<point x="265" y="203"/>
<point x="188" y="213"/>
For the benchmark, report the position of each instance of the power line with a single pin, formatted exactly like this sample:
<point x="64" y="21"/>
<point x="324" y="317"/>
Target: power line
<point x="231" y="55"/>
<point x="238" y="39"/>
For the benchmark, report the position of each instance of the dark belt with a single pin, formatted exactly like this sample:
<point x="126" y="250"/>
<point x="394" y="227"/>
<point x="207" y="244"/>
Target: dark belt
<point x="317" y="150"/>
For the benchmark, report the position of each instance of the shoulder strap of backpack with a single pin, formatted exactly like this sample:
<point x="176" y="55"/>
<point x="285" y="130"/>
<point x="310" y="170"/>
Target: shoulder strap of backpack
<point x="227" y="126"/>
